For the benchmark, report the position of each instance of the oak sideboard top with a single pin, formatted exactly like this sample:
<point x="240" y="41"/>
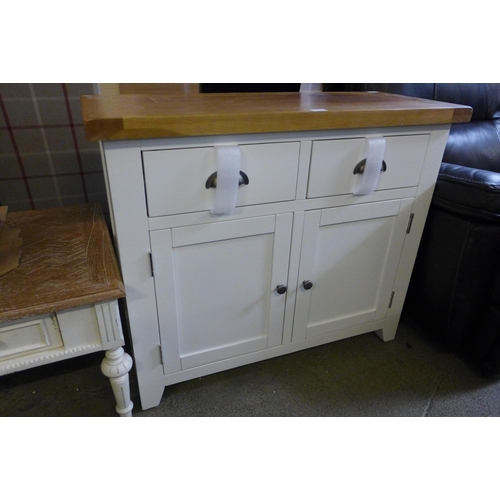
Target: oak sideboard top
<point x="143" y="116"/>
<point x="67" y="261"/>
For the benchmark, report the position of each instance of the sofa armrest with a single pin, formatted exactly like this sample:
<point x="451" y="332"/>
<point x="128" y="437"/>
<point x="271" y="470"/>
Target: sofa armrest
<point x="468" y="191"/>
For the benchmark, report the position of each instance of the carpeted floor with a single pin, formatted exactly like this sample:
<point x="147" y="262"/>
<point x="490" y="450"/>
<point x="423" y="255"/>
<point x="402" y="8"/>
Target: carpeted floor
<point x="357" y="377"/>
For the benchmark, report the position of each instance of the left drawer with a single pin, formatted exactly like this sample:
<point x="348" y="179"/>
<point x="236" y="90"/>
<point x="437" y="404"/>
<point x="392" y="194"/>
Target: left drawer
<point x="29" y="336"/>
<point x="175" y="178"/>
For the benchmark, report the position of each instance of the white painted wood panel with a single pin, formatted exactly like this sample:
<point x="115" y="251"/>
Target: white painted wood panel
<point x="79" y="326"/>
<point x="125" y="185"/>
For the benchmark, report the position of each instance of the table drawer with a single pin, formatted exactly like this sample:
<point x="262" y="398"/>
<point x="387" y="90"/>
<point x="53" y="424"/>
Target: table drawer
<point x="333" y="162"/>
<point x="175" y="178"/>
<point x="29" y="336"/>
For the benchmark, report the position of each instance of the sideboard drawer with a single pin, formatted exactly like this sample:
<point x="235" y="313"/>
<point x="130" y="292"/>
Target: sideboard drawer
<point x="175" y="178"/>
<point x="333" y="163"/>
<point x="27" y="336"/>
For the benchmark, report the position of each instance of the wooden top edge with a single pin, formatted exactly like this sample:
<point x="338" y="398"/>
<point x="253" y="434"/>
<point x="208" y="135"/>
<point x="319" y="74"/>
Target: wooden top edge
<point x="57" y="306"/>
<point x="151" y="116"/>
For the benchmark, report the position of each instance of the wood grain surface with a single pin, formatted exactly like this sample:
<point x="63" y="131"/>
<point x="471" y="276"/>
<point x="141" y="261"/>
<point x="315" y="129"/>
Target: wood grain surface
<point x="148" y="88"/>
<point x="142" y="116"/>
<point x="67" y="261"/>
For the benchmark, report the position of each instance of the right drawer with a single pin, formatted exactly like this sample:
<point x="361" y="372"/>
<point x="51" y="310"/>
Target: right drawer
<point x="333" y="162"/>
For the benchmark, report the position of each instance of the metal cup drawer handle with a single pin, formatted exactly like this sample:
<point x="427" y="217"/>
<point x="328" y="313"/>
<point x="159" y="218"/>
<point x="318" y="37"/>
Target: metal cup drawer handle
<point x="212" y="180"/>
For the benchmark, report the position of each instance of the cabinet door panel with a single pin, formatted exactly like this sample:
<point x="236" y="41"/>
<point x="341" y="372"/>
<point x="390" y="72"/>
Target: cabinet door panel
<point x="351" y="256"/>
<point x="221" y="279"/>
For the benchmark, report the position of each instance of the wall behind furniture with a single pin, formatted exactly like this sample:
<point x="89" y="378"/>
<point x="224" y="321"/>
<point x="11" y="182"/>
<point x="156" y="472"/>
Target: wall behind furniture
<point x="45" y="160"/>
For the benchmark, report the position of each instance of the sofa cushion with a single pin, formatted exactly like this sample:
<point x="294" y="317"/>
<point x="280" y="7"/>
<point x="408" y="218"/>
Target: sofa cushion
<point x="468" y="191"/>
<point x="475" y="144"/>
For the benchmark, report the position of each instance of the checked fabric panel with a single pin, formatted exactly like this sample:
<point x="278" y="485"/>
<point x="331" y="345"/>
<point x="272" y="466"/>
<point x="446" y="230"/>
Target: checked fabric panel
<point x="45" y="160"/>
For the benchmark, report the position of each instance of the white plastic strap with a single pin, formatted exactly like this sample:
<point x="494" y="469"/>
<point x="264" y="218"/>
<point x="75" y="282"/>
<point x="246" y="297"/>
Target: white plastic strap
<point x="374" y="158"/>
<point x="228" y="175"/>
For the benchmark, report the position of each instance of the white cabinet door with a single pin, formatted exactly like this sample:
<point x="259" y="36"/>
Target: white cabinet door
<point x="216" y="287"/>
<point x="348" y="264"/>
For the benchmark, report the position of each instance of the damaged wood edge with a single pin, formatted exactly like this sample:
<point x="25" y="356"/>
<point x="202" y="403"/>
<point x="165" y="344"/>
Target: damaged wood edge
<point x="10" y="250"/>
<point x="10" y="244"/>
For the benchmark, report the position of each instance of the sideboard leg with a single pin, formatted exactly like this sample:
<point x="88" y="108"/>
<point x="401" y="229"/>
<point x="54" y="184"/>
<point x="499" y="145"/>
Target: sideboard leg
<point x="116" y="366"/>
<point x="388" y="332"/>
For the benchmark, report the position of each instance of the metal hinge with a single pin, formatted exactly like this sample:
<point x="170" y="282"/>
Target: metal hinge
<point x="410" y="222"/>
<point x="161" y="354"/>
<point x="152" y="265"/>
<point x="392" y="298"/>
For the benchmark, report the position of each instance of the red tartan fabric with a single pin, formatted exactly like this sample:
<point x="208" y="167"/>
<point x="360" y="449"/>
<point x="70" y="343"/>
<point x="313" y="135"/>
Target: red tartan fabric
<point x="45" y="160"/>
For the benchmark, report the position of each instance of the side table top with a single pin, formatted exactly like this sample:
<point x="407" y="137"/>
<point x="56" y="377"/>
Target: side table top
<point x="67" y="261"/>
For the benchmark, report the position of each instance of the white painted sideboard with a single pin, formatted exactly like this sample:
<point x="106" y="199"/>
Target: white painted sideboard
<point x="301" y="260"/>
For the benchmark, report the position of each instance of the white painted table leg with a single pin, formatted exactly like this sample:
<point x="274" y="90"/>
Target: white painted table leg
<point x="116" y="366"/>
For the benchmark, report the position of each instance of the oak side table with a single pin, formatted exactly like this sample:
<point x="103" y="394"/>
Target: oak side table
<point x="62" y="299"/>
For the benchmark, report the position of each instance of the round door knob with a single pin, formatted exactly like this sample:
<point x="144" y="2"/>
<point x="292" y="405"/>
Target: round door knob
<point x="281" y="289"/>
<point x="307" y="284"/>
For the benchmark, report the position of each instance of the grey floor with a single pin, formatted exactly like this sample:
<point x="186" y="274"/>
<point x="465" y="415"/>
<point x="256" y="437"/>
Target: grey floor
<point x="357" y="377"/>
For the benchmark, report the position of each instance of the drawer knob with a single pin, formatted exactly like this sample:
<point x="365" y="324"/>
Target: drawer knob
<point x="212" y="180"/>
<point x="281" y="289"/>
<point x="307" y="284"/>
<point x="360" y="167"/>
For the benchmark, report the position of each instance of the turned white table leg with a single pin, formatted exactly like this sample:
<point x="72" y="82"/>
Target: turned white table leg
<point x="116" y="366"/>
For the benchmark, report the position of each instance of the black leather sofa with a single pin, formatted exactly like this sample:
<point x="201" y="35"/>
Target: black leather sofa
<point x="455" y="286"/>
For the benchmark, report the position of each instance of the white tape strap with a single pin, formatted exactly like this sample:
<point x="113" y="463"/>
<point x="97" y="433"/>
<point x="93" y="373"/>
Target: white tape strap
<point x="375" y="156"/>
<point x="228" y="174"/>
